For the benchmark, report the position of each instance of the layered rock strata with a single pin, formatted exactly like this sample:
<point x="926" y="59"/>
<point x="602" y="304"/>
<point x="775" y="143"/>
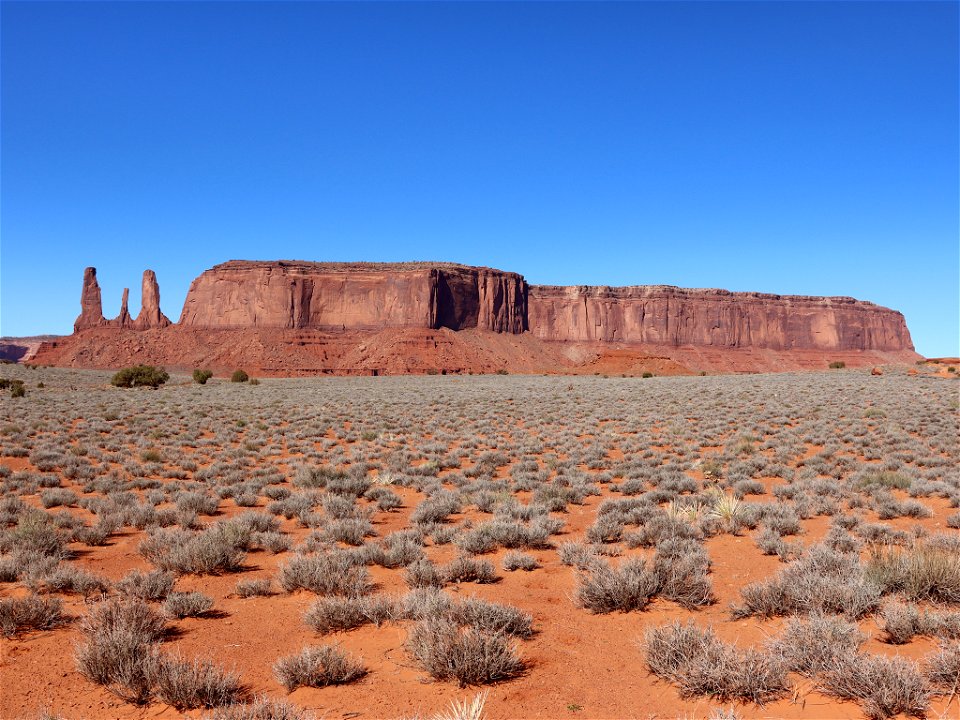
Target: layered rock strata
<point x="356" y="296"/>
<point x="671" y="316"/>
<point x="293" y="317"/>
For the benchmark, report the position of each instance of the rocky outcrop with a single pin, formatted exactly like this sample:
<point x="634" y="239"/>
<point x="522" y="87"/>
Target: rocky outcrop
<point x="91" y="306"/>
<point x="293" y="317"/>
<point x="150" y="315"/>
<point x="355" y="296"/>
<point x="670" y="316"/>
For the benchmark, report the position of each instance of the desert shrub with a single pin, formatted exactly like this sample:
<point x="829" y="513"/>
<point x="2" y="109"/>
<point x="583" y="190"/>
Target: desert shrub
<point x="921" y="572"/>
<point x="155" y="585"/>
<point x="770" y="542"/>
<point x="942" y="668"/>
<point x="435" y="509"/>
<point x="883" y="478"/>
<point x="782" y="519"/>
<point x="253" y="588"/>
<point x="606" y="529"/>
<point x="813" y="644"/>
<point x="35" y="534"/>
<point x="885" y="686"/>
<point x="239" y="376"/>
<point x="317" y="667"/>
<point x="210" y="552"/>
<point x="471" y="656"/>
<point x="192" y="684"/>
<point x="30" y="613"/>
<point x="119" y="651"/>
<point x="67" y="579"/>
<point x="197" y="502"/>
<point x="140" y="375"/>
<point x="187" y="604"/>
<point x="151" y="456"/>
<point x="274" y="542"/>
<point x="17" y="389"/>
<point x="423" y="573"/>
<point x="578" y="555"/>
<point x="351" y="531"/>
<point x="326" y="574"/>
<point x="261" y="708"/>
<point x="245" y="499"/>
<point x="57" y="497"/>
<point x="680" y="567"/>
<point x="902" y="622"/>
<point x="823" y="580"/>
<point x="603" y="588"/>
<point x="120" y="659"/>
<point x="335" y="614"/>
<point x="132" y="615"/>
<point x="700" y="664"/>
<point x="466" y="569"/>
<point x="516" y="560"/>
<point x="491" y="617"/>
<point x="837" y="365"/>
<point x="201" y="376"/>
<point x="401" y="551"/>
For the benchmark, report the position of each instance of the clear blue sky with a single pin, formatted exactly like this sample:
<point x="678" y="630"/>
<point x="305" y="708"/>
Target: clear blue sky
<point x="803" y="148"/>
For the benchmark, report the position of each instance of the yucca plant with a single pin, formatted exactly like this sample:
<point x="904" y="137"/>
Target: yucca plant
<point x="728" y="510"/>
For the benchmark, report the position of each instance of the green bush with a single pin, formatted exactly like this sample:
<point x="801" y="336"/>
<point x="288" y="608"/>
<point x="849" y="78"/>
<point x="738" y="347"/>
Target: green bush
<point x="17" y="389"/>
<point x="136" y="375"/>
<point x="201" y="376"/>
<point x="647" y="375"/>
<point x="837" y="365"/>
<point x="239" y="376"/>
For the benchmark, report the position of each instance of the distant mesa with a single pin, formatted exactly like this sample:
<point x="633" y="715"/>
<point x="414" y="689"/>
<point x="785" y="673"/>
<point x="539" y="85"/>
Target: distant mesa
<point x="297" y="318"/>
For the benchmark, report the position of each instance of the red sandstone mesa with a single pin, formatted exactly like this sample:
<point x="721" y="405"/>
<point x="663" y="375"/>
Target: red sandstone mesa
<point x="671" y="316"/>
<point x="358" y="296"/>
<point x="301" y="317"/>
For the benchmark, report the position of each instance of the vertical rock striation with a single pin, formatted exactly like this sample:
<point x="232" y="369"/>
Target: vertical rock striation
<point x="150" y="315"/>
<point x="370" y="297"/>
<point x="91" y="306"/>
<point x="671" y="316"/>
<point x="356" y="296"/>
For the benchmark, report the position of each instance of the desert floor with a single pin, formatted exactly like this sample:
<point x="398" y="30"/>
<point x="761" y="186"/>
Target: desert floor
<point x="643" y="501"/>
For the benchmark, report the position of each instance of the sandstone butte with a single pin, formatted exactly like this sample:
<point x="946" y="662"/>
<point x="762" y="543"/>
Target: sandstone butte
<point x="306" y="318"/>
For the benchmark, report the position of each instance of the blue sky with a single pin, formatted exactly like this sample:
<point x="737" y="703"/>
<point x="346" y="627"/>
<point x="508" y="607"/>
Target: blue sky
<point x="798" y="148"/>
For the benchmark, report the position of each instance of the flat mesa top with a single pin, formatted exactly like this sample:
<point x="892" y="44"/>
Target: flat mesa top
<point x="358" y="266"/>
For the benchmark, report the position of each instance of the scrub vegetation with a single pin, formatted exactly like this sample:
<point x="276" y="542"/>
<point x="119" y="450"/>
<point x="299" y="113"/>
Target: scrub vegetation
<point x="726" y="542"/>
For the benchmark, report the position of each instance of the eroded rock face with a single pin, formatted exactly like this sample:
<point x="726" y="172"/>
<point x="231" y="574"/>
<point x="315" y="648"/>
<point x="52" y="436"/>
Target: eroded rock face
<point x="281" y="306"/>
<point x="150" y="315"/>
<point x="355" y="296"/>
<point x="670" y="316"/>
<point x="91" y="305"/>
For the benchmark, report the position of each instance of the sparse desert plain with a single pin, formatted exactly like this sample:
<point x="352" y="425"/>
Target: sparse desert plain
<point x="749" y="546"/>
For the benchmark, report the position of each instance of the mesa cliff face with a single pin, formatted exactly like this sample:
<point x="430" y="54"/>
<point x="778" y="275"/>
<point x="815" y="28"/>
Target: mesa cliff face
<point x="294" y="317"/>
<point x="670" y="316"/>
<point x="355" y="296"/>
